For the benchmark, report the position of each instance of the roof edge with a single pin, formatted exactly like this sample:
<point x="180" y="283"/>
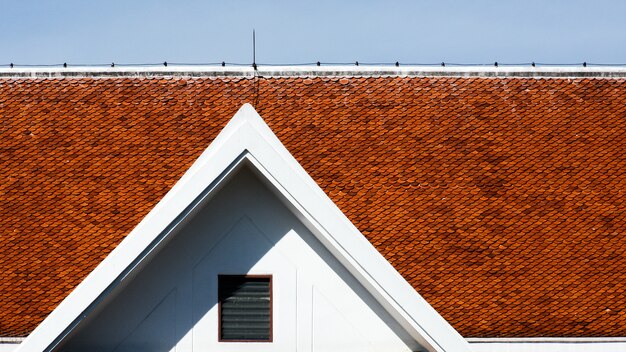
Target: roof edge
<point x="546" y="339"/>
<point x="548" y="344"/>
<point x="314" y="71"/>
<point x="11" y="340"/>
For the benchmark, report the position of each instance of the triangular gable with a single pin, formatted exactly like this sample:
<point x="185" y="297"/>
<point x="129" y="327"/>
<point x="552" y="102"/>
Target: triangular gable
<point x="247" y="138"/>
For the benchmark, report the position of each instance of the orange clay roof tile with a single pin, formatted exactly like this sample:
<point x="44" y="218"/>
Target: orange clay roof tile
<point x="501" y="200"/>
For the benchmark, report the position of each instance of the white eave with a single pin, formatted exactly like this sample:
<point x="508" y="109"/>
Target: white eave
<point x="548" y="344"/>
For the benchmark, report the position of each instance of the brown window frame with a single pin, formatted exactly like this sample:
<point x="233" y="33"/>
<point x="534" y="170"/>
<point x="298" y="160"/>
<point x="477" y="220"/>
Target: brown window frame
<point x="219" y="307"/>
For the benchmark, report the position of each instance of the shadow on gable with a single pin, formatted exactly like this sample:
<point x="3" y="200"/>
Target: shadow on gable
<point x="170" y="301"/>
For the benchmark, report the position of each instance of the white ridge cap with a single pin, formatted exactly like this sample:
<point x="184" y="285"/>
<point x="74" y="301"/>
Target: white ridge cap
<point x="315" y="71"/>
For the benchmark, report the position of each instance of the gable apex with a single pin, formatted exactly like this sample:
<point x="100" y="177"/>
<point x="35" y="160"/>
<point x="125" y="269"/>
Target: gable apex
<point x="247" y="140"/>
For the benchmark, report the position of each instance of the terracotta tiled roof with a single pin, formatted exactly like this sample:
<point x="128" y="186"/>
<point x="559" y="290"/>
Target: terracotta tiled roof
<point x="501" y="200"/>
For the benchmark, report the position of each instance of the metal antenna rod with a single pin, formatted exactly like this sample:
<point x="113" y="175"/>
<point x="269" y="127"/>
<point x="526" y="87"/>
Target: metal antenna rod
<point x="253" y="49"/>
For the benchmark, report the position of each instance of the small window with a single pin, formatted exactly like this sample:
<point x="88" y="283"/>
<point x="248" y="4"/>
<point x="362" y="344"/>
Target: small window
<point x="245" y="308"/>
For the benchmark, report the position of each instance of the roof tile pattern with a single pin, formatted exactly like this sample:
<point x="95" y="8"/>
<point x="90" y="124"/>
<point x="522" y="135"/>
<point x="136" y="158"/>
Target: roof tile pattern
<point x="501" y="200"/>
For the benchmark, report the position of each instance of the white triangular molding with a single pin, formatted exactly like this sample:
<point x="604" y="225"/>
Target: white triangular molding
<point x="247" y="139"/>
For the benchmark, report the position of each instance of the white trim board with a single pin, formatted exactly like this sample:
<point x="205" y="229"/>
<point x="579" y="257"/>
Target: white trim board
<point x="11" y="340"/>
<point x="263" y="71"/>
<point x="247" y="138"/>
<point x="548" y="344"/>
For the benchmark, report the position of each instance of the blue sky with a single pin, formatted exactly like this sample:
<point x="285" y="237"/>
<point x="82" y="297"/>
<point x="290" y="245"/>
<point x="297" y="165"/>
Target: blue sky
<point x="125" y="31"/>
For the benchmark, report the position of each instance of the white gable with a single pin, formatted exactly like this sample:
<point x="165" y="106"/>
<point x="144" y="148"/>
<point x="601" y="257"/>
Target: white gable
<point x="171" y="303"/>
<point x="333" y="290"/>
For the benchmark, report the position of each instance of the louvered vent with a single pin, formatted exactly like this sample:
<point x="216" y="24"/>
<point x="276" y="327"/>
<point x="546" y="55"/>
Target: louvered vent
<point x="245" y="308"/>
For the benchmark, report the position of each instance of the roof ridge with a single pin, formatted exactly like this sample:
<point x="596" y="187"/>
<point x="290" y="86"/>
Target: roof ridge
<point x="316" y="71"/>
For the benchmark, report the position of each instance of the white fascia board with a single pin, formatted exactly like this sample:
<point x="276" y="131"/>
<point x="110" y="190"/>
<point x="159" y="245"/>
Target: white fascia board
<point x="548" y="344"/>
<point x="247" y="135"/>
<point x="11" y="340"/>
